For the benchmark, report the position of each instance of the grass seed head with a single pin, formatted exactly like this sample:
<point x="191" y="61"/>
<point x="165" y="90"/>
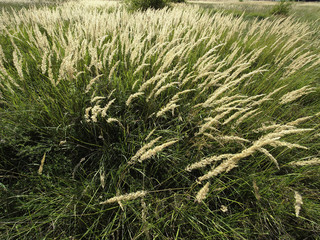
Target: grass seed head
<point x="202" y="194"/>
<point x="298" y="203"/>
<point x="126" y="197"/>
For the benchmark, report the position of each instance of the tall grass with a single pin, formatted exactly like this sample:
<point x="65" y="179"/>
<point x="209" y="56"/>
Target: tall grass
<point x="157" y="125"/>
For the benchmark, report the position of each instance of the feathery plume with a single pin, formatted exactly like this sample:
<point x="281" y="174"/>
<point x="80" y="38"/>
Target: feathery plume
<point x="202" y="194"/>
<point x="140" y="68"/>
<point x="163" y="88"/>
<point x="144" y="213"/>
<point x="288" y="145"/>
<point x="294" y="95"/>
<point x="92" y="81"/>
<point x="226" y="138"/>
<point x="94" y="113"/>
<point x="150" y="153"/>
<point x="247" y="115"/>
<point x="142" y="150"/>
<point x="102" y="177"/>
<point x="170" y="106"/>
<point x="132" y="96"/>
<point x="105" y="109"/>
<point x="298" y="203"/>
<point x="41" y="164"/>
<point x="17" y="64"/>
<point x="113" y="69"/>
<point x="126" y="197"/>
<point x="111" y="120"/>
<point x="299" y="120"/>
<point x="206" y="161"/>
<point x="232" y="162"/>
<point x="311" y="162"/>
<point x="224" y="208"/>
<point x="44" y="62"/>
<point x="150" y="134"/>
<point x="96" y="99"/>
<point x="87" y="114"/>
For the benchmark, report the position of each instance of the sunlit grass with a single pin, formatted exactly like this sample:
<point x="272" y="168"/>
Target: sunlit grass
<point x="171" y="124"/>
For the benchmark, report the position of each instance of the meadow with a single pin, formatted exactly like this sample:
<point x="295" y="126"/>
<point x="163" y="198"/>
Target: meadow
<point x="188" y="122"/>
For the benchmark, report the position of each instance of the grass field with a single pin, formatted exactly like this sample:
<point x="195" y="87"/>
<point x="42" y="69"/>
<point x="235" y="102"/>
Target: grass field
<point x="304" y="11"/>
<point x="199" y="121"/>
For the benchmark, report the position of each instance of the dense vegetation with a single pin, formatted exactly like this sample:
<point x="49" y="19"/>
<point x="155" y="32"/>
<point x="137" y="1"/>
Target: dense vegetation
<point x="178" y="123"/>
<point x="146" y="4"/>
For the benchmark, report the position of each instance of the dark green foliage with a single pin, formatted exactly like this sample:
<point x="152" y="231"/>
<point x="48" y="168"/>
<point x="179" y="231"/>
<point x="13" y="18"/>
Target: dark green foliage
<point x="282" y="8"/>
<point x="145" y="4"/>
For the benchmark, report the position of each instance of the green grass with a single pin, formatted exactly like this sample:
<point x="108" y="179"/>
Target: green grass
<point x="301" y="11"/>
<point x="308" y="12"/>
<point x="43" y="116"/>
<point x="16" y="6"/>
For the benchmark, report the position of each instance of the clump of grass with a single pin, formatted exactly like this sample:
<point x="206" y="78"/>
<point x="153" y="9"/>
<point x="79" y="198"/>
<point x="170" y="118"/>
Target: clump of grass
<point x="282" y="8"/>
<point x="126" y="120"/>
<point x="145" y="4"/>
<point x="134" y="5"/>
